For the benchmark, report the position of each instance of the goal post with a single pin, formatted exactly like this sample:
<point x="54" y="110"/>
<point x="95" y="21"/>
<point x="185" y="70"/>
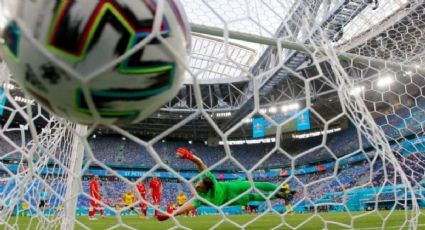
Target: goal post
<point x="73" y="182"/>
<point x="41" y="180"/>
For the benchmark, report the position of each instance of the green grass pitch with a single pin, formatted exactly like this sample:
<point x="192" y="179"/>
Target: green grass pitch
<point x="371" y="221"/>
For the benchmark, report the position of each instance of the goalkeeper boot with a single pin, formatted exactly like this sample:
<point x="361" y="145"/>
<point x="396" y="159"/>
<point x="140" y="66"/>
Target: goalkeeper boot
<point x="162" y="217"/>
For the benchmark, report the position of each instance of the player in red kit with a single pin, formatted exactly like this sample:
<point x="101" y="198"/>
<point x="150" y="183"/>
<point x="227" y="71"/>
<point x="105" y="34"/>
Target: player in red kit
<point x="155" y="186"/>
<point x="142" y="191"/>
<point x="169" y="208"/>
<point x="95" y="198"/>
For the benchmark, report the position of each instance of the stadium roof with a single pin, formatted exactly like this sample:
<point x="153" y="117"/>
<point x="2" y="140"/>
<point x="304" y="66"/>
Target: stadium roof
<point x="211" y="63"/>
<point x="225" y="87"/>
<point x="259" y="18"/>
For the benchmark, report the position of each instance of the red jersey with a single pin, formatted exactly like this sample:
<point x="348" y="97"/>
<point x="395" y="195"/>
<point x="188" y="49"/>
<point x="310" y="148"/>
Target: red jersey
<point x="142" y="190"/>
<point x="95" y="189"/>
<point x="155" y="186"/>
<point x="169" y="209"/>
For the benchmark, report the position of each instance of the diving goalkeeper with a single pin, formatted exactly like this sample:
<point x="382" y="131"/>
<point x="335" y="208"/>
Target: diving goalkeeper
<point x="218" y="193"/>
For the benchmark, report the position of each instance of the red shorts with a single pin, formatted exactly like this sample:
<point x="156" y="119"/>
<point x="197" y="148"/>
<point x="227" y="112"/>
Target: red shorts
<point x="156" y="198"/>
<point x="143" y="206"/>
<point x="95" y="203"/>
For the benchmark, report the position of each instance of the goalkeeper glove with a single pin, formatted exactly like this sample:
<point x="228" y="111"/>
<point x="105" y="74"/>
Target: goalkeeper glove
<point x="184" y="153"/>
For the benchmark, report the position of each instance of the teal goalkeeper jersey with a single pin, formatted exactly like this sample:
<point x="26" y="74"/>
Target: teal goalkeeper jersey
<point x="222" y="192"/>
<point x="215" y="195"/>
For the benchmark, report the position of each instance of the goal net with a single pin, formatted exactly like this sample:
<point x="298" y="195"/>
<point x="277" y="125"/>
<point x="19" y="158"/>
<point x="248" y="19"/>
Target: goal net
<point x="320" y="100"/>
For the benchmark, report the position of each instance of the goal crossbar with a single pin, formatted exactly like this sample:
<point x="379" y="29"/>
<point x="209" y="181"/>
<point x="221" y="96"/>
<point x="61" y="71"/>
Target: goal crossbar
<point x="343" y="56"/>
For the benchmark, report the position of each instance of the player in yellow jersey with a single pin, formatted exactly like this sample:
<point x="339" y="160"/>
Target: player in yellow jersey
<point x="25" y="209"/>
<point x="129" y="199"/>
<point x="59" y="209"/>
<point x="181" y="200"/>
<point x="289" y="195"/>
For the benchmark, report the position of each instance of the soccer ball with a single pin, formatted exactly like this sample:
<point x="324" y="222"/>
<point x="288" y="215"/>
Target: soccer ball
<point x="81" y="59"/>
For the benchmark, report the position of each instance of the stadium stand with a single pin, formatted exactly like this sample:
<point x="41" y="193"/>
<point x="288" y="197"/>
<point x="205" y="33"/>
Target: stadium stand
<point x="117" y="152"/>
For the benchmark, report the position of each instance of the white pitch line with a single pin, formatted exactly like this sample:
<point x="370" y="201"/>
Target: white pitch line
<point x="386" y="227"/>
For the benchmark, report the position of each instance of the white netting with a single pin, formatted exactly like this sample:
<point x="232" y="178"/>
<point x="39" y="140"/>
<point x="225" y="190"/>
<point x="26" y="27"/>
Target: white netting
<point x="35" y="171"/>
<point x="354" y="68"/>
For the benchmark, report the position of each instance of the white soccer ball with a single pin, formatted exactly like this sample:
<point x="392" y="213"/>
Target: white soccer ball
<point x="68" y="55"/>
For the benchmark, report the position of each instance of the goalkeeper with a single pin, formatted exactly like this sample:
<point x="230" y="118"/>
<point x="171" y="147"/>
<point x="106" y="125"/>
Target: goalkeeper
<point x="218" y="193"/>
